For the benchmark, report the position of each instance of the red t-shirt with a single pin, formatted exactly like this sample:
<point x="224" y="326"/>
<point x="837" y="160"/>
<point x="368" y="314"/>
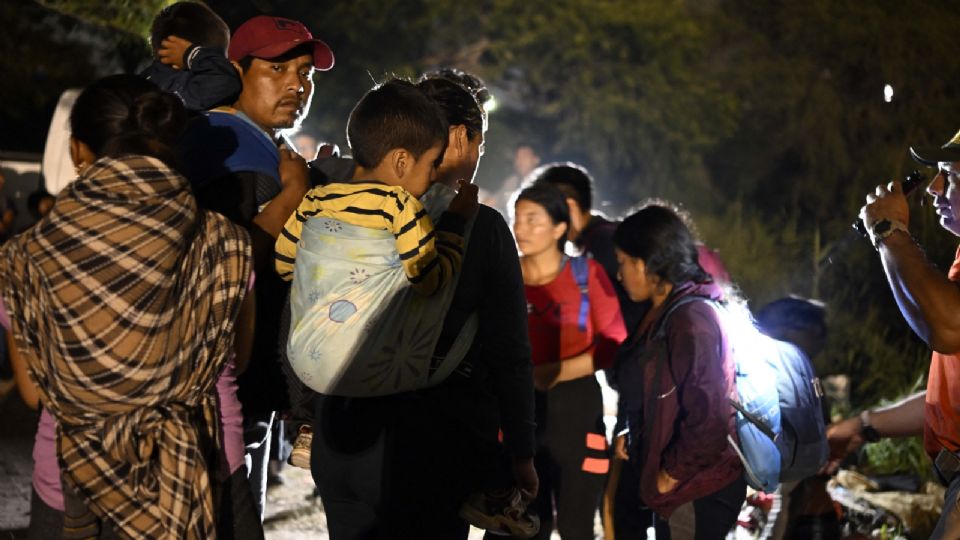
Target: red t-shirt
<point x="553" y="311"/>
<point x="941" y="427"/>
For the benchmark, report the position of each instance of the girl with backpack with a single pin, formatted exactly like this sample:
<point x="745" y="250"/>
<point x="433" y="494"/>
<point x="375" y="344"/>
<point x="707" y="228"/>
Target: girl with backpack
<point x="575" y="328"/>
<point x="675" y="376"/>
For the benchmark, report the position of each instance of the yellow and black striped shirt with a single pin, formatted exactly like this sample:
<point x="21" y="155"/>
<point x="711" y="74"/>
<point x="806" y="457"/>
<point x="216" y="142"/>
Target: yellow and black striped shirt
<point x="430" y="257"/>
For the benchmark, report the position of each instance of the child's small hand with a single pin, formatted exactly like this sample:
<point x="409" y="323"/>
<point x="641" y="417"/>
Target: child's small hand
<point x="465" y="203"/>
<point x="171" y="51"/>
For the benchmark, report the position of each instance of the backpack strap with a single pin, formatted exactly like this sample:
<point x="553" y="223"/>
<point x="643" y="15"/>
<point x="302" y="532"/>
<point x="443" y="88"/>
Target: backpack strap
<point x="661" y="324"/>
<point x="581" y="274"/>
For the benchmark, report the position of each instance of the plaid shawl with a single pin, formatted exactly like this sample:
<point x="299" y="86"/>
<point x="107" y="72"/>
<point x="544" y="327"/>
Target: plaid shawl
<point x="122" y="302"/>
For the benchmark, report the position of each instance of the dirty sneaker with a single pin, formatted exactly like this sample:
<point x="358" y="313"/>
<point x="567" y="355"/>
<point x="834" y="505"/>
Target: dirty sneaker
<point x="300" y="456"/>
<point x="500" y="512"/>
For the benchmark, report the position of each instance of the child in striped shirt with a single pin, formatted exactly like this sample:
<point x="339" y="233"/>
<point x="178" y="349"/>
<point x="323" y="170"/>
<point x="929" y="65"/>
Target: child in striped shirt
<point x="397" y="136"/>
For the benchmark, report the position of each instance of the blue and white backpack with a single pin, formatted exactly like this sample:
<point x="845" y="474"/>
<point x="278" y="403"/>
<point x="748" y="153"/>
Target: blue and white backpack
<point x="780" y="426"/>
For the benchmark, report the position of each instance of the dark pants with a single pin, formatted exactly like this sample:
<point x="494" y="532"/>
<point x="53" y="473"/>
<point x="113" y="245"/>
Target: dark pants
<point x="949" y="524"/>
<point x="236" y="518"/>
<point x="630" y="517"/>
<point x="566" y="414"/>
<point x="571" y="416"/>
<point x="393" y="467"/>
<point x="710" y="517"/>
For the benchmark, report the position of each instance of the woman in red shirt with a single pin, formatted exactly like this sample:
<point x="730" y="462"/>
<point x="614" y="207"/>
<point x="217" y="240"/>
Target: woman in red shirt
<point x="575" y="329"/>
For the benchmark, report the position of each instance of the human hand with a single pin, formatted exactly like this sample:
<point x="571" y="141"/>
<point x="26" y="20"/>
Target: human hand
<point x="886" y="202"/>
<point x="171" y="51"/>
<point x="620" y="448"/>
<point x="525" y="475"/>
<point x="845" y="437"/>
<point x="465" y="203"/>
<point x="545" y="375"/>
<point x="293" y="170"/>
<point x="665" y="482"/>
<point x="325" y="150"/>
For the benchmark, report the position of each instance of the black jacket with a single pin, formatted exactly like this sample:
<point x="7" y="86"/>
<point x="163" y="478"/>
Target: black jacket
<point x="208" y="81"/>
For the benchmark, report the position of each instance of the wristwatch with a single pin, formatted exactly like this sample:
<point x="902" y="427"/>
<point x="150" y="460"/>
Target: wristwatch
<point x="884" y="228"/>
<point x="869" y="433"/>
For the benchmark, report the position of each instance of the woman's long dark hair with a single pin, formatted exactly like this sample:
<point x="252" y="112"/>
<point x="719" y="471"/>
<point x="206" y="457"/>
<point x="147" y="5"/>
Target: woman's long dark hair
<point x="553" y="201"/>
<point x="659" y="236"/>
<point x="124" y="115"/>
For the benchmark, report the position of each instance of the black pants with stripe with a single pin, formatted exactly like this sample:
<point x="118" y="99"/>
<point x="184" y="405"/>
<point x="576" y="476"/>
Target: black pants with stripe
<point x="571" y="458"/>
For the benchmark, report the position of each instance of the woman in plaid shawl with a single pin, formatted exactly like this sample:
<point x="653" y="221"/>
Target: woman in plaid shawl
<point x="122" y="303"/>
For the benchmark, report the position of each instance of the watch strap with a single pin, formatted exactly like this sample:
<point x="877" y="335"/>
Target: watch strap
<point x="869" y="433"/>
<point x="884" y="228"/>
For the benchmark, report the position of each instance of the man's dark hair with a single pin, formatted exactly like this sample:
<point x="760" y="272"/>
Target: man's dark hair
<point x="458" y="104"/>
<point x="194" y="22"/>
<point x="659" y="236"/>
<point x="572" y="179"/>
<point x="394" y="114"/>
<point x="553" y="202"/>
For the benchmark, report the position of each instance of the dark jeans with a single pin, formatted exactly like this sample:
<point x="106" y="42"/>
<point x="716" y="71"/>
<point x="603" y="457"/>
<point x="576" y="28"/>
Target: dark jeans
<point x="710" y="517"/>
<point x="236" y="519"/>
<point x="949" y="524"/>
<point x="630" y="517"/>
<point x="394" y="467"/>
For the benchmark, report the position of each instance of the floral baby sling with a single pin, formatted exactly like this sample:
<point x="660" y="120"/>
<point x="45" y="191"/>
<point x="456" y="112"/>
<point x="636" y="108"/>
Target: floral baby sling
<point x="357" y="328"/>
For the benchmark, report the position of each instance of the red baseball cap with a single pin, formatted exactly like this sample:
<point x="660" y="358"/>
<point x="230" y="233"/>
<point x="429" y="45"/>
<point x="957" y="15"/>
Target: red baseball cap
<point x="269" y="37"/>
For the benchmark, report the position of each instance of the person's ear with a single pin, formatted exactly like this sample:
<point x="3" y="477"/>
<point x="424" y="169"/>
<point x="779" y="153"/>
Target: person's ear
<point x="80" y="154"/>
<point x="236" y="66"/>
<point x="559" y="231"/>
<point x="458" y="140"/>
<point x="400" y="162"/>
<point x="75" y="152"/>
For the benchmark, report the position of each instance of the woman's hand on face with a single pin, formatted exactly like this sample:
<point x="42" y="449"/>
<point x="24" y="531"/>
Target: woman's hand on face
<point x="665" y="482"/>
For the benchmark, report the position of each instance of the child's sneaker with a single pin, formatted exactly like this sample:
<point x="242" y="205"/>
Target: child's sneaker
<point x="500" y="512"/>
<point x="300" y="456"/>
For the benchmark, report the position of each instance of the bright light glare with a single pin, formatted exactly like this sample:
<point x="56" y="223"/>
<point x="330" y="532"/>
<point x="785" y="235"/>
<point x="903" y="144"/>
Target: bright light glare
<point x="888" y="93"/>
<point x="490" y="105"/>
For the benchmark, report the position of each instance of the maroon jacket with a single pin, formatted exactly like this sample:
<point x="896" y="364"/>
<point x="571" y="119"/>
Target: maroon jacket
<point x="690" y="417"/>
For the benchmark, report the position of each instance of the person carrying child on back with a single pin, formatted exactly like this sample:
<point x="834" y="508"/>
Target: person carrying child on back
<point x="373" y="439"/>
<point x="189" y="44"/>
<point x="389" y="176"/>
<point x="356" y="237"/>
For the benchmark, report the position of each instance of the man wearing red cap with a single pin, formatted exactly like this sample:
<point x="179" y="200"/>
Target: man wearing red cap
<point x="929" y="301"/>
<point x="241" y="167"/>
